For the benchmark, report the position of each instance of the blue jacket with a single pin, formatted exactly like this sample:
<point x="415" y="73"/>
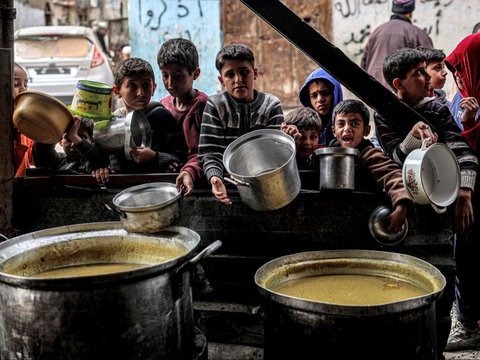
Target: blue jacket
<point x="304" y="96"/>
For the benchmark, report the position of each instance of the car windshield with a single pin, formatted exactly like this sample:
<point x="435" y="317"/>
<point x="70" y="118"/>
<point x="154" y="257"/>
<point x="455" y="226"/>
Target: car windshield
<point x="51" y="47"/>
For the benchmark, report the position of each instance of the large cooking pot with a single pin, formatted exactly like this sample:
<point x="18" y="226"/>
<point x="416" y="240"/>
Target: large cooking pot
<point x="138" y="313"/>
<point x="262" y="165"/>
<point x="431" y="176"/>
<point x="337" y="168"/>
<point x="297" y="328"/>
<point x="147" y="208"/>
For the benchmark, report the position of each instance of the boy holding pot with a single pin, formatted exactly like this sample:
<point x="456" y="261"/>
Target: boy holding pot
<point x="405" y="72"/>
<point x="235" y="112"/>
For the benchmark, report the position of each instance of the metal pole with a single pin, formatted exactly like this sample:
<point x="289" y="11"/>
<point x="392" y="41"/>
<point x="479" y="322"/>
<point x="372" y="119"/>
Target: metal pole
<point x="7" y="16"/>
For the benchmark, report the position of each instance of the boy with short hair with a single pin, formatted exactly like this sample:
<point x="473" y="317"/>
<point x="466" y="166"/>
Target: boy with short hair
<point x="374" y="170"/>
<point x="178" y="62"/>
<point x="309" y="125"/>
<point x="322" y="93"/>
<point x="234" y="112"/>
<point x="405" y="71"/>
<point x="135" y="85"/>
<point x="81" y="154"/>
<point x="435" y="60"/>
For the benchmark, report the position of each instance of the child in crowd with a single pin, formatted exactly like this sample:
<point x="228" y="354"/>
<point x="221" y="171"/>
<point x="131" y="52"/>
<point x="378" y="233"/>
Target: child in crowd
<point x="22" y="145"/>
<point x="237" y="111"/>
<point x="178" y="62"/>
<point x="374" y="171"/>
<point x="135" y="85"/>
<point x="309" y="125"/>
<point x="437" y="71"/>
<point x="322" y="92"/>
<point x="81" y="155"/>
<point x="464" y="63"/>
<point x="405" y="71"/>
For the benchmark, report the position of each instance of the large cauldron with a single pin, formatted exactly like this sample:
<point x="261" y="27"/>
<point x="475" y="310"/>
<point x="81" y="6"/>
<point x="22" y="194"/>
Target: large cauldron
<point x="302" y="329"/>
<point x="144" y="313"/>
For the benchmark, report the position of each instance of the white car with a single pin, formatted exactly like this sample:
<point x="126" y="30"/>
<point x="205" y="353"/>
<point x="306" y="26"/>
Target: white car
<point x="56" y="57"/>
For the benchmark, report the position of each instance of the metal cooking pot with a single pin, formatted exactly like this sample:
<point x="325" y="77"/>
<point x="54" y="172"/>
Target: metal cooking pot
<point x="262" y="165"/>
<point x="337" y="167"/>
<point x="144" y="313"/>
<point x="147" y="208"/>
<point x="297" y="328"/>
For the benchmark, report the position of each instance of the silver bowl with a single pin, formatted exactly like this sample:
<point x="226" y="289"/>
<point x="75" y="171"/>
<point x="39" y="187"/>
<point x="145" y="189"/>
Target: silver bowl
<point x="377" y="225"/>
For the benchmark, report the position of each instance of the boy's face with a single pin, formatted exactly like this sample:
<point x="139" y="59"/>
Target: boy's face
<point x="238" y="77"/>
<point x="458" y="80"/>
<point x="415" y="86"/>
<point x="70" y="149"/>
<point x="349" y="129"/>
<point x="307" y="143"/>
<point x="136" y="91"/>
<point x="438" y="74"/>
<point x="321" y="96"/>
<point x="176" y="79"/>
<point x="20" y="81"/>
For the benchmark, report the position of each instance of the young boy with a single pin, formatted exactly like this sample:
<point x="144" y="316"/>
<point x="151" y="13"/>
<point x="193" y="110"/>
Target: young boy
<point x="437" y="71"/>
<point x="322" y="92"/>
<point x="374" y="170"/>
<point x="405" y="71"/>
<point x="81" y="155"/>
<point x="309" y="125"/>
<point x="178" y="62"/>
<point x="238" y="110"/>
<point x="135" y="85"/>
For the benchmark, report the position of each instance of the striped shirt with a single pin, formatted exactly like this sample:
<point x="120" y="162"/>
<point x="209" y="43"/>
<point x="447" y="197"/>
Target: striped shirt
<point x="224" y="120"/>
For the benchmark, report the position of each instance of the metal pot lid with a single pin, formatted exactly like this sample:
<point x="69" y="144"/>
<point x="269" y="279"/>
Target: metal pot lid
<point x="377" y="226"/>
<point x="137" y="132"/>
<point x="149" y="196"/>
<point x="336" y="151"/>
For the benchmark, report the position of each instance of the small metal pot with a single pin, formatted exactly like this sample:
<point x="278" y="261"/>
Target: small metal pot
<point x="147" y="208"/>
<point x="378" y="229"/>
<point x="337" y="168"/>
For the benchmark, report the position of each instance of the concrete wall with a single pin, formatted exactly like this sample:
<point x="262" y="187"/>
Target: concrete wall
<point x="152" y="22"/>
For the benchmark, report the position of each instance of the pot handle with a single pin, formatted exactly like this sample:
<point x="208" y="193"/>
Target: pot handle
<point x="438" y="209"/>
<point x="3" y="237"/>
<point x="202" y="254"/>
<point x="236" y="182"/>
<point x="425" y="144"/>
<point x="113" y="208"/>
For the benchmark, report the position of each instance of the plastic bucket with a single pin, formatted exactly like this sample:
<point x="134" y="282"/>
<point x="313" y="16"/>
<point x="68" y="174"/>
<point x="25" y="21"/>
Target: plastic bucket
<point x="92" y="100"/>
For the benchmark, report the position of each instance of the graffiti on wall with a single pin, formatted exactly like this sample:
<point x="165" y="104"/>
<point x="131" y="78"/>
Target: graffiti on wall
<point x="446" y="21"/>
<point x="153" y="22"/>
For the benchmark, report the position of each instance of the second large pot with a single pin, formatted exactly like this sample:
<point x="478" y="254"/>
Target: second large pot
<point x="263" y="166"/>
<point x="297" y="328"/>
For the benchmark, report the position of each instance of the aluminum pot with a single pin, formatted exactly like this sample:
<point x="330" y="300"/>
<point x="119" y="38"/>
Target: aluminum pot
<point x="147" y="208"/>
<point x="262" y="165"/>
<point x="337" y="168"/>
<point x="431" y="176"/>
<point x="297" y="328"/>
<point x="144" y="313"/>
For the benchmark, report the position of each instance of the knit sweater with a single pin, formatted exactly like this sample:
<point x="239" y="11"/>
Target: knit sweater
<point x="396" y="140"/>
<point x="224" y="120"/>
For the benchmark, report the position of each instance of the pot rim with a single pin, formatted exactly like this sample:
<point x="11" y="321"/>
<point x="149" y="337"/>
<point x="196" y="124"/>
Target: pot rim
<point x="332" y="150"/>
<point x="20" y="244"/>
<point x="254" y="135"/>
<point x="141" y="187"/>
<point x="261" y="278"/>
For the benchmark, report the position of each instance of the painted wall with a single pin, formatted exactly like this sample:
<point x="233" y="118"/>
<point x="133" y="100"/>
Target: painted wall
<point x="27" y="16"/>
<point x="154" y="21"/>
<point x="446" y="21"/>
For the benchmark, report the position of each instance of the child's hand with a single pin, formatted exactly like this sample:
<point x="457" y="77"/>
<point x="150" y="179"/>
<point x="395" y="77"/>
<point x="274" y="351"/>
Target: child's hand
<point x="291" y="130"/>
<point x="219" y="190"/>
<point x="72" y="132"/>
<point x="184" y="182"/>
<point x="463" y="211"/>
<point x="101" y="175"/>
<point x="142" y="155"/>
<point x="422" y="131"/>
<point x="397" y="218"/>
<point x="174" y="167"/>
<point x="470" y="105"/>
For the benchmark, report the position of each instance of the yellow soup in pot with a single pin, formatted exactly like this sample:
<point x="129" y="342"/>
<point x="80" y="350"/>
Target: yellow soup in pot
<point x="356" y="290"/>
<point x="87" y="270"/>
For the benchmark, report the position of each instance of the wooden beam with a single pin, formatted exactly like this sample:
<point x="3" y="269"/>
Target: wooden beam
<point x="333" y="60"/>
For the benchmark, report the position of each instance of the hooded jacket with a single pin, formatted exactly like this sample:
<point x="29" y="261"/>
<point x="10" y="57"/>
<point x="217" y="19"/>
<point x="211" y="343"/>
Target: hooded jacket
<point x="465" y="61"/>
<point x="304" y="96"/>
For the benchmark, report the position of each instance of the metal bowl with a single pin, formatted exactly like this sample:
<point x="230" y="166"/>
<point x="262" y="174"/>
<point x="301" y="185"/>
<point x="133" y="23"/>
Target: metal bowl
<point x="377" y="226"/>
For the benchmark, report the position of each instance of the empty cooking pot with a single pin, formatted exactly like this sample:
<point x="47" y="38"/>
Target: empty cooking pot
<point x="377" y="224"/>
<point x="337" y="168"/>
<point x="262" y="165"/>
<point x="431" y="176"/>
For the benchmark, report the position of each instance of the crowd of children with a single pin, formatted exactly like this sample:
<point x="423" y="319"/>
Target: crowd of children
<point x="191" y="130"/>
